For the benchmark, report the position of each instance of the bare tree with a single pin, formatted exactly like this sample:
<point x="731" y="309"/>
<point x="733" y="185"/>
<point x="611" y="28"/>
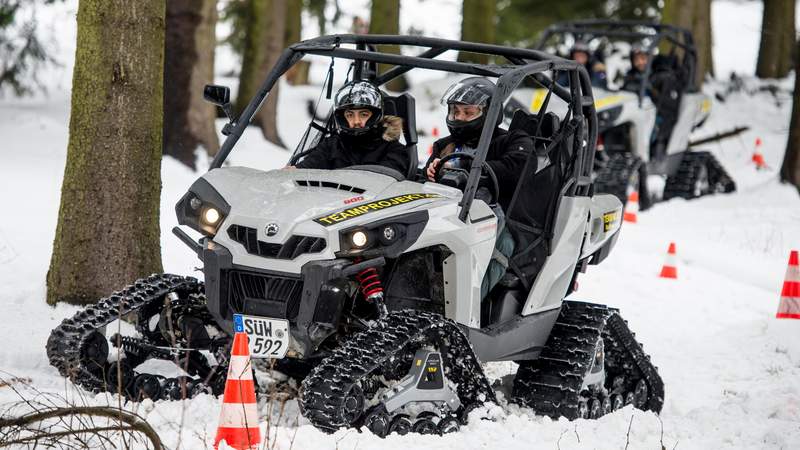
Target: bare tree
<point x="264" y="42"/>
<point x="777" y="39"/>
<point x="477" y="25"/>
<point x="298" y="73"/>
<point x="694" y="15"/>
<point x="108" y="221"/>
<point x="384" y="18"/>
<point x="790" y="168"/>
<point x="189" y="65"/>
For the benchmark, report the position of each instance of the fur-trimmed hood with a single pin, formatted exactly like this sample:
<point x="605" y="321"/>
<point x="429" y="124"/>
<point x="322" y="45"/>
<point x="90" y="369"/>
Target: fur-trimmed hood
<point x="393" y="128"/>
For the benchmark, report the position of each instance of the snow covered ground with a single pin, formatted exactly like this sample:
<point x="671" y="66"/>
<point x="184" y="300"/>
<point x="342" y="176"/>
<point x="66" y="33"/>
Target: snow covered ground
<point x="731" y="370"/>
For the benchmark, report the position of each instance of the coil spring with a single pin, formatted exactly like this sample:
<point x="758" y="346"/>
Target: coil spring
<point x="371" y="285"/>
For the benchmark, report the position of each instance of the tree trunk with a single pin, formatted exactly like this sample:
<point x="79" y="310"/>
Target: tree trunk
<point x="298" y="73"/>
<point x="694" y="15"/>
<point x="108" y="222"/>
<point x="384" y="18"/>
<point x="266" y="25"/>
<point x="790" y="169"/>
<point x="777" y="39"/>
<point x="189" y="54"/>
<point x="477" y="25"/>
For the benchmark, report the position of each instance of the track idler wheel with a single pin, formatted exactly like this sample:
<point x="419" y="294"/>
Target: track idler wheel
<point x="147" y="386"/>
<point x="352" y="406"/>
<point x="400" y="424"/>
<point x="448" y="425"/>
<point x="425" y="426"/>
<point x="640" y="395"/>
<point x="94" y="352"/>
<point x="120" y="377"/>
<point x="378" y="421"/>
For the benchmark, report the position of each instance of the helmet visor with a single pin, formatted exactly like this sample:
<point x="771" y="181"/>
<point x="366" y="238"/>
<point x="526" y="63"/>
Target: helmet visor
<point x="463" y="112"/>
<point x="467" y="94"/>
<point x="358" y="95"/>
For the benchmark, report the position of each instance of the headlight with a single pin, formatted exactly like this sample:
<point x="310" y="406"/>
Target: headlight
<point x="202" y="208"/>
<point x="211" y="216"/>
<point x="359" y="239"/>
<point x="388" y="234"/>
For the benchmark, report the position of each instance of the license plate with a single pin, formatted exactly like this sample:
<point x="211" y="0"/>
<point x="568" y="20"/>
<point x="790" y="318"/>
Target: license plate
<point x="267" y="338"/>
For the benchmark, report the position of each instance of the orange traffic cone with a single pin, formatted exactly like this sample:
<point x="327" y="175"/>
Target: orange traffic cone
<point x="758" y="158"/>
<point x="631" y="208"/>
<point x="435" y="132"/>
<point x="669" y="269"/>
<point x="789" y="307"/>
<point x="238" y="419"/>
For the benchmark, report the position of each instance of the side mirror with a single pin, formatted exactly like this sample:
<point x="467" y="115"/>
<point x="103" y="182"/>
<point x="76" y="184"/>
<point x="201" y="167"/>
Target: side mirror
<point x="220" y="96"/>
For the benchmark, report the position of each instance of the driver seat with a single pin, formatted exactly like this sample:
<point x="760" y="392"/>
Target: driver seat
<point x="404" y="106"/>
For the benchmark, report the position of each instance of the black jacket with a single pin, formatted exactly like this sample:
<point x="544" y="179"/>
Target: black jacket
<point x="336" y="152"/>
<point x="506" y="156"/>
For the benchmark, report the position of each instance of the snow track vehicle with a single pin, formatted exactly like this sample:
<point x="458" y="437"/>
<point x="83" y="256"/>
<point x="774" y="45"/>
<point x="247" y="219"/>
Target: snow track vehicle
<point x="365" y="282"/>
<point x="644" y="126"/>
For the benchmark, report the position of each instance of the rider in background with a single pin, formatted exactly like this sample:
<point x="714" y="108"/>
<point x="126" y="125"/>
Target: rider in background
<point x="581" y="53"/>
<point x="364" y="135"/>
<point x="635" y="76"/>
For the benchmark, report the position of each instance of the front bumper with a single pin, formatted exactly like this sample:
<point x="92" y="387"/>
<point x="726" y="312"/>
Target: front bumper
<point x="311" y="301"/>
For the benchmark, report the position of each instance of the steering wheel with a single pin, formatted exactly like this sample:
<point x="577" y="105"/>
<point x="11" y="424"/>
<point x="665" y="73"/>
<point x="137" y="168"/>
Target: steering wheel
<point x="494" y="189"/>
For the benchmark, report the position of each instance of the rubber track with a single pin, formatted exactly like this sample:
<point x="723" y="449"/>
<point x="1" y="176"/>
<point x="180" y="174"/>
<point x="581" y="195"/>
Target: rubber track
<point x="681" y="184"/>
<point x="66" y="341"/>
<point x="615" y="176"/>
<point x="323" y="391"/>
<point x="552" y="384"/>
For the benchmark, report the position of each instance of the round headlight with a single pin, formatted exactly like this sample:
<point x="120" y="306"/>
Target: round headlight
<point x="359" y="239"/>
<point x="211" y="216"/>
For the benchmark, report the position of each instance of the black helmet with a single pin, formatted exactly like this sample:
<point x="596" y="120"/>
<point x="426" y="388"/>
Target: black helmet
<point x="476" y="91"/>
<point x="358" y="94"/>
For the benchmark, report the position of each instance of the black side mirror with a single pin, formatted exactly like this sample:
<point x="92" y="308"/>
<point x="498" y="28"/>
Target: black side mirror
<point x="220" y="96"/>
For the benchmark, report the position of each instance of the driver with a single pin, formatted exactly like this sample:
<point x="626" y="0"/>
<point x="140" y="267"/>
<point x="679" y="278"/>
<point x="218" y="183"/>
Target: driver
<point x="467" y="103"/>
<point x="635" y="76"/>
<point x="364" y="135"/>
<point x="581" y="53"/>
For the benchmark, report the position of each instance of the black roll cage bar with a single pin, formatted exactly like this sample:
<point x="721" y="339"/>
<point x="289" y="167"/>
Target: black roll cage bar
<point x="626" y="29"/>
<point x="523" y="63"/>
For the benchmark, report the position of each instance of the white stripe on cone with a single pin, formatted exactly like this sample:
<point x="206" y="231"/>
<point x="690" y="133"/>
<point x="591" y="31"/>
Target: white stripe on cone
<point x="238" y="415"/>
<point x="239" y="368"/>
<point x="669" y="261"/>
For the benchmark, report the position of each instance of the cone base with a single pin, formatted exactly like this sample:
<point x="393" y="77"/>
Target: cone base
<point x="238" y="438"/>
<point x="669" y="272"/>
<point x="787" y="316"/>
<point x="629" y="217"/>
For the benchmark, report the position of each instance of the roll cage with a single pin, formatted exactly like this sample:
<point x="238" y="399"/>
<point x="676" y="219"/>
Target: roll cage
<point x="521" y="63"/>
<point x="631" y="30"/>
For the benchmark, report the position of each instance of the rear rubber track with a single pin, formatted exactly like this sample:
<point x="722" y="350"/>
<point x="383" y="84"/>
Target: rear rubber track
<point x="693" y="166"/>
<point x="552" y="385"/>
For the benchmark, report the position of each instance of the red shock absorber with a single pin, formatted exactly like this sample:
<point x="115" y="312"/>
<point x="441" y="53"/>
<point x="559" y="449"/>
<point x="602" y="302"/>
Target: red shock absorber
<point x="371" y="285"/>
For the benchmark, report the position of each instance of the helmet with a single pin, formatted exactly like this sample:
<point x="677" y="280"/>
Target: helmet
<point x="579" y="46"/>
<point x="476" y="91"/>
<point x="358" y="94"/>
<point x="637" y="47"/>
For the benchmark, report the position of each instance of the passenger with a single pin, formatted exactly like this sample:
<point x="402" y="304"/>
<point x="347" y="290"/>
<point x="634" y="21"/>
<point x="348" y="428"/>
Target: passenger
<point x="581" y="54"/>
<point x="634" y="78"/>
<point x="364" y="135"/>
<point x="467" y="103"/>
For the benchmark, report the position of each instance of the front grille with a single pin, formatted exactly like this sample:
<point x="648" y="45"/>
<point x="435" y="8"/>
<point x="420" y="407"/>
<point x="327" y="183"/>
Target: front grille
<point x="263" y="295"/>
<point x="331" y="185"/>
<point x="291" y="249"/>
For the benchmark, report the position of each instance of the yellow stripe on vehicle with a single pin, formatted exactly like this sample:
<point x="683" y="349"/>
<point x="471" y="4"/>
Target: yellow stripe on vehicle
<point x="538" y="99"/>
<point x="706" y="105"/>
<point x="601" y="103"/>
